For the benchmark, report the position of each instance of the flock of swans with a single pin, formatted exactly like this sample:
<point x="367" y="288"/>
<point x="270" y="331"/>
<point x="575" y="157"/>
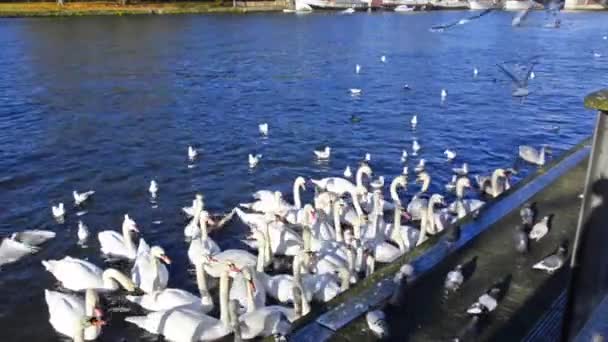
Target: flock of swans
<point x="329" y="244"/>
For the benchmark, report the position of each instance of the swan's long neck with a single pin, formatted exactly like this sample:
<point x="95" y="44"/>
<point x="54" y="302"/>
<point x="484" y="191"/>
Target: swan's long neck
<point x="393" y="191"/>
<point x="224" y="288"/>
<point x="337" y="225"/>
<point x="460" y="188"/>
<point x="201" y="280"/>
<point x="370" y="265"/>
<point x="79" y="331"/>
<point x="251" y="307"/>
<point x="90" y="301"/>
<point x="203" y="226"/>
<point x="356" y="204"/>
<point x="396" y="233"/>
<point x="494" y="181"/>
<point x="357" y="227"/>
<point x="296" y="195"/>
<point x="430" y="212"/>
<point x="267" y="251"/>
<point x="359" y="177"/>
<point x="126" y="237"/>
<point x="542" y="155"/>
<point x="111" y="275"/>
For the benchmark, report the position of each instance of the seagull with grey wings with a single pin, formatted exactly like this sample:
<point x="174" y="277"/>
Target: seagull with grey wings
<point x="521" y="84"/>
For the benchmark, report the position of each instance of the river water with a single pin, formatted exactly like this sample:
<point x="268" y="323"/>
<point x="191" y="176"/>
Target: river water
<point x="109" y="103"/>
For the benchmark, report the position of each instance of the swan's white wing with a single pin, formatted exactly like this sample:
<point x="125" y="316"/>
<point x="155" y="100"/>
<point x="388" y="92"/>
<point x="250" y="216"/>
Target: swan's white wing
<point x="75" y="274"/>
<point x="34" y="237"/>
<point x="165" y="299"/>
<point x="11" y="251"/>
<point x="112" y="243"/>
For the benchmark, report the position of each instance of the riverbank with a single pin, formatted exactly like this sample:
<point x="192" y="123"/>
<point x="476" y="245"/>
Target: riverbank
<point x="51" y="9"/>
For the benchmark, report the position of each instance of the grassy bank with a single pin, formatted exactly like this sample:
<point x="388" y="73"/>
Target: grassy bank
<point x="50" y="9"/>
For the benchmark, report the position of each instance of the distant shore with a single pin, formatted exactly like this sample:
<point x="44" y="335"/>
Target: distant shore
<point x="51" y="9"/>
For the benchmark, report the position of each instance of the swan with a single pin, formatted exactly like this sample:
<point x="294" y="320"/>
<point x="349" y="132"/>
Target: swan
<point x="383" y="251"/>
<point x="450" y="155"/>
<point x="347" y="172"/>
<point x="192" y="153"/>
<point x="21" y="244"/>
<point x="171" y="298"/>
<point x="148" y="273"/>
<point x="429" y="224"/>
<point x="266" y="320"/>
<point x="283" y="240"/>
<point x="80" y="198"/>
<point x="65" y="310"/>
<point x="462" y="207"/>
<point x="58" y="211"/>
<point x="404" y="236"/>
<point x="202" y="244"/>
<point x="367" y="158"/>
<point x="263" y="129"/>
<point x="254" y="160"/>
<point x="491" y="185"/>
<point x="461" y="171"/>
<point x="378" y="183"/>
<point x="189" y="324"/>
<point x="415" y="147"/>
<point x="325" y="153"/>
<point x="116" y="245"/>
<point x="236" y="259"/>
<point x="341" y="186"/>
<point x="33" y="237"/>
<point x="532" y="155"/>
<point x="77" y="275"/>
<point x="416" y="205"/>
<point x="83" y="232"/>
<point x="153" y="189"/>
<point x="414" y="121"/>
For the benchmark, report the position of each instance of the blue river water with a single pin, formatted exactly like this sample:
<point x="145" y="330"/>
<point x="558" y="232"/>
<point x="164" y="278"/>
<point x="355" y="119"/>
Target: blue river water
<point x="108" y="103"/>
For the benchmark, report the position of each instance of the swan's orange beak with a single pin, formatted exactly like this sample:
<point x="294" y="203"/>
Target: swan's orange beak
<point x="165" y="259"/>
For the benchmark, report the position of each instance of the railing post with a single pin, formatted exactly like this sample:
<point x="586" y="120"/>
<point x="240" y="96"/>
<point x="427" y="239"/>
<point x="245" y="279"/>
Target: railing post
<point x="589" y="263"/>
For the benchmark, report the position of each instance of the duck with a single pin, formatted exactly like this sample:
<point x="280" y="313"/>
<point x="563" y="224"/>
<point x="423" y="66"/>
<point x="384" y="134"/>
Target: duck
<point x="461" y="171"/>
<point x="415" y="148"/>
<point x="187" y="323"/>
<point x="170" y="298"/>
<point x="79" y="275"/>
<point x="83" y="232"/>
<point x="540" y="229"/>
<point x="148" y="273"/>
<point x="21" y="244"/>
<point x="532" y="155"/>
<point x="449" y="154"/>
<point x="67" y="310"/>
<point x="153" y="188"/>
<point x="553" y="262"/>
<point x="323" y="154"/>
<point x="80" y="198"/>
<point x="263" y="129"/>
<point x="58" y="211"/>
<point x="117" y="245"/>
<point x="493" y="186"/>
<point x="254" y="160"/>
<point x="192" y="153"/>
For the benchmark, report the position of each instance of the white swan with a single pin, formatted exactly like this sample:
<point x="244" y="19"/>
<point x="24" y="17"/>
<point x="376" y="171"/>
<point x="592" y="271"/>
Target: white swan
<point x="383" y="59"/>
<point x="414" y="122"/>
<point x="323" y="154"/>
<point x="148" y="273"/>
<point x="80" y="198"/>
<point x="492" y="185"/>
<point x="449" y="154"/>
<point x="66" y="312"/>
<point x="532" y="155"/>
<point x="77" y="275"/>
<point x="235" y="259"/>
<point x="171" y="298"/>
<point x="357" y="68"/>
<point x="462" y="207"/>
<point x="187" y="323"/>
<point x="117" y="245"/>
<point x="444" y="94"/>
<point x="416" y="206"/>
<point x="404" y="156"/>
<point x="21" y="244"/>
<point x="347" y="172"/>
<point x="202" y="244"/>
<point x="341" y="186"/>
<point x="430" y="224"/>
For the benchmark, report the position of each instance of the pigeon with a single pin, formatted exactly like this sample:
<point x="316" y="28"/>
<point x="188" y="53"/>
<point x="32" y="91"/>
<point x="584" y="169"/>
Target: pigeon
<point x="454" y="279"/>
<point x="486" y="303"/>
<point x="83" y="232"/>
<point x="323" y="154"/>
<point x="450" y="155"/>
<point x="376" y="321"/>
<point x="192" y="153"/>
<point x="527" y="215"/>
<point x="153" y="189"/>
<point x="400" y="280"/>
<point x="347" y="172"/>
<point x="254" y="160"/>
<point x="520" y="239"/>
<point x="263" y="128"/>
<point x="540" y="229"/>
<point x="552" y="262"/>
<point x="58" y="211"/>
<point x="80" y="198"/>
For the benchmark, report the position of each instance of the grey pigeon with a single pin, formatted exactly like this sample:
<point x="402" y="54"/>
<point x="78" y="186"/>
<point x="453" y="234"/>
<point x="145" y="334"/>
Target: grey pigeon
<point x="520" y="238"/>
<point x="527" y="215"/>
<point x="376" y="321"/>
<point x="552" y="262"/>
<point x="454" y="279"/>
<point x="486" y="303"/>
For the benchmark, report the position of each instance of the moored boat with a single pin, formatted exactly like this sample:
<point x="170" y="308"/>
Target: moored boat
<point x="478" y="5"/>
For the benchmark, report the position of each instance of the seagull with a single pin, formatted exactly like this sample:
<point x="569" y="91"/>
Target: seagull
<point x="376" y="321"/>
<point x="552" y="262"/>
<point x="368" y="157"/>
<point x="454" y="279"/>
<point x="405" y="171"/>
<point x="414" y="121"/>
<point x="357" y="69"/>
<point x="355" y="91"/>
<point x="153" y="189"/>
<point x="83" y="232"/>
<point x="450" y="154"/>
<point x="406" y="86"/>
<point x="475" y="72"/>
<point x="403" y="156"/>
<point x="192" y="153"/>
<point x="451" y="186"/>
<point x="540" y="229"/>
<point x="521" y="85"/>
<point x="58" y="211"/>
<point x="487" y="302"/>
<point x="383" y="59"/>
<point x="532" y="75"/>
<point x="80" y="198"/>
<point x="597" y="54"/>
<point x="254" y="160"/>
<point x="415" y="147"/>
<point x="347" y="172"/>
<point x="461" y="171"/>
<point x="444" y="94"/>
<point x="263" y="128"/>
<point x="520" y="238"/>
<point x="323" y="154"/>
<point x="420" y="167"/>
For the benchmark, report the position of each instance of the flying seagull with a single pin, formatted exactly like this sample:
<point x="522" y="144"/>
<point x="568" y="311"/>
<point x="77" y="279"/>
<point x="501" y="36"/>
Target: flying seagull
<point x="521" y="85"/>
<point x="441" y="28"/>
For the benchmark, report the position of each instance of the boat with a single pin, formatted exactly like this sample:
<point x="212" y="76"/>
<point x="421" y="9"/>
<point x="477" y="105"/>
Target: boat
<point x="477" y="5"/>
<point x="356" y="5"/>
<point x="518" y="5"/>
<point x="299" y="7"/>
<point x="348" y="11"/>
<point x="404" y="8"/>
<point x="417" y="5"/>
<point x="450" y="4"/>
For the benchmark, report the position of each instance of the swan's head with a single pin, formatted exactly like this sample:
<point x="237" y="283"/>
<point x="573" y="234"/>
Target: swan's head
<point x="300" y="182"/>
<point x="159" y="253"/>
<point x="310" y="213"/>
<point x="365" y="169"/>
<point x="400" y="181"/>
<point x="129" y="224"/>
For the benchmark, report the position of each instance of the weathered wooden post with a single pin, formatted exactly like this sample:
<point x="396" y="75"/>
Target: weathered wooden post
<point x="589" y="262"/>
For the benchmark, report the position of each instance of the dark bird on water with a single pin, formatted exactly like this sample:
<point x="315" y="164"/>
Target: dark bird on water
<point x="527" y="215"/>
<point x="520" y="238"/>
<point x="355" y="119"/>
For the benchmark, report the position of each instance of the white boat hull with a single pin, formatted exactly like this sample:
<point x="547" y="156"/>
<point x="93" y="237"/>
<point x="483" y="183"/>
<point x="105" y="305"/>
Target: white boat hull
<point x="478" y="5"/>
<point x="517" y="5"/>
